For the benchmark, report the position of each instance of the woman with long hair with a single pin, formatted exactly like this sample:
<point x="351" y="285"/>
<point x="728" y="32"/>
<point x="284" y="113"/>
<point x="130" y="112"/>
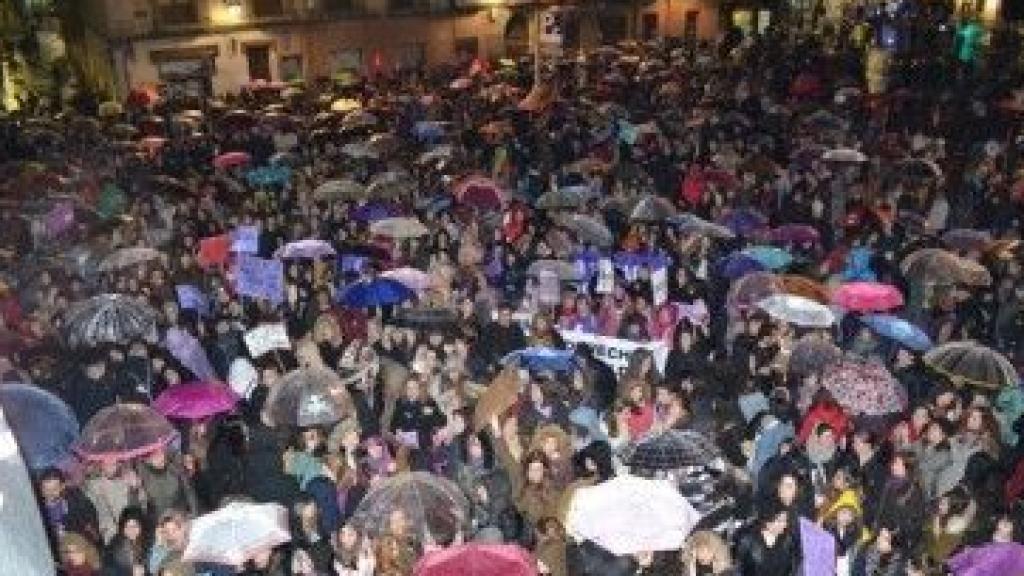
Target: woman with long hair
<point x="706" y="554"/>
<point x="127" y="552"/>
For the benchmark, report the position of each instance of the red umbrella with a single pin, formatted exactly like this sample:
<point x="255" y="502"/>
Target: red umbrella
<point x="480" y="192"/>
<point x="867" y="297"/>
<point x="231" y="159"/>
<point x="477" y="560"/>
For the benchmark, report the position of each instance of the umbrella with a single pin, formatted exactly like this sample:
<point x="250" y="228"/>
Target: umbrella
<point x="124" y="431"/>
<point x="770" y="257"/>
<point x="43" y="424"/>
<point x="798" y="310"/>
<point x="627" y="514"/>
<point x="434" y="507"/>
<point x="426" y="319"/>
<point x="127" y="257"/>
<point x="344" y="105"/>
<point x="110" y="109"/>
<point x="653" y="209"/>
<point x="25" y="548"/>
<point x="791" y="234"/>
<point x="342" y="189"/>
<point x="195" y="400"/>
<point x="477" y="559"/>
<point x="540" y="359"/>
<point x="671" y="449"/>
<point x="750" y="289"/>
<point x="392" y="184"/>
<point x="966" y="239"/>
<point x="565" y="271"/>
<point x="479" y="192"/>
<point x="187" y="349"/>
<point x="919" y="167"/>
<point x="845" y="156"/>
<point x="898" y="330"/>
<point x="737" y="265"/>
<point x="439" y="154"/>
<point x="358" y="119"/>
<point x="563" y="198"/>
<point x="690" y="224"/>
<point x="743" y="221"/>
<point x="967" y="362"/>
<point x="308" y="249"/>
<point x="1003" y="558"/>
<point x="308" y="397"/>
<point x="376" y="292"/>
<point x="867" y="297"/>
<point x="376" y="210"/>
<point x="804" y="286"/>
<point x="237" y="532"/>
<point x="588" y="230"/>
<point x="231" y="160"/>
<point x="411" y="278"/>
<point x="812" y="354"/>
<point x="943" y="267"/>
<point x="399" y="227"/>
<point x="109" y="319"/>
<point x="866" y="388"/>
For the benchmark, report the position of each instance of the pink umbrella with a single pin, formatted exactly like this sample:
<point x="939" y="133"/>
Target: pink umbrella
<point x="231" y="159"/>
<point x="124" y="431"/>
<point x="411" y="278"/>
<point x="477" y="560"/>
<point x="195" y="400"/>
<point x="480" y="192"/>
<point x="867" y="297"/>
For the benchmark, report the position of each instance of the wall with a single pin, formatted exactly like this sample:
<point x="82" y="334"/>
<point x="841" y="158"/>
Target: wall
<point x="672" y="17"/>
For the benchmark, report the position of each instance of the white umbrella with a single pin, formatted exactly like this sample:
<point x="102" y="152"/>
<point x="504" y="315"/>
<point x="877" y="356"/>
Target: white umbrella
<point x="24" y="549"/>
<point x="399" y="227"/>
<point x="798" y="310"/>
<point x="338" y="189"/>
<point x="411" y="278"/>
<point x="845" y="155"/>
<point x="237" y="532"/>
<point x="629" y="514"/>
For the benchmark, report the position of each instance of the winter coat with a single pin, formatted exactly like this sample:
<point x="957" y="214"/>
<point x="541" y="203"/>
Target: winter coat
<point x="167" y="488"/>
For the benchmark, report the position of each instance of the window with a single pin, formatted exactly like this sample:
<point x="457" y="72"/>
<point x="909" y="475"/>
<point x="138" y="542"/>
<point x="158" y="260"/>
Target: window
<point x="346" y="60"/>
<point x="339" y="6"/>
<point x="267" y="8"/>
<point x="291" y="67"/>
<point x="412" y="55"/>
<point x="178" y="12"/>
<point x="690" y="25"/>
<point x="649" y="26"/>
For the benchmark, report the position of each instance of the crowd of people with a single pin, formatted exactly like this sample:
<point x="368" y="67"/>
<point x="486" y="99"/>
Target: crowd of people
<point x="434" y="312"/>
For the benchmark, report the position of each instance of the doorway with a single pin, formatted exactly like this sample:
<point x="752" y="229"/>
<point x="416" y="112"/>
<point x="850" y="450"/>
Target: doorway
<point x="258" y="57"/>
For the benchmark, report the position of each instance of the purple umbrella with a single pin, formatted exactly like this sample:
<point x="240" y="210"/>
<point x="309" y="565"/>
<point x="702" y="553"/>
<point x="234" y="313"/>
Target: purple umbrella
<point x="186" y="349"/>
<point x="308" y="249"/>
<point x="743" y="221"/>
<point x="195" y="400"/>
<point x="1004" y="558"/>
<point x="373" y="211"/>
<point x="737" y="265"/>
<point x="794" y="234"/>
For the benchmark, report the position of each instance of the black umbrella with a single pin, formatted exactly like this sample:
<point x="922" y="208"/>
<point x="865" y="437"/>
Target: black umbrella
<point x="426" y="319"/>
<point x="672" y="450"/>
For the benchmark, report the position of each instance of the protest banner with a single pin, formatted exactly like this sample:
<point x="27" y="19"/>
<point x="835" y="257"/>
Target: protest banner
<point x="245" y="240"/>
<point x="605" y="277"/>
<point x="191" y="297"/>
<point x="819" y="550"/>
<point x="616" y="352"/>
<point x="260" y="278"/>
<point x="267" y="337"/>
<point x="213" y="251"/>
<point x="549" y="290"/>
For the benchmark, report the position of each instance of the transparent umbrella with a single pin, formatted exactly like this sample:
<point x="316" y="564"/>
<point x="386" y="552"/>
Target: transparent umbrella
<point x="308" y="397"/>
<point x="434" y="507"/>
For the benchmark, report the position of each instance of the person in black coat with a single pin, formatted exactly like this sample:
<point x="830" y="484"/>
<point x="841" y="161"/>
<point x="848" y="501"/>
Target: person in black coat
<point x="604" y="384"/>
<point x="92" y="388"/>
<point x="763" y="549"/>
<point x="502" y="336"/>
<point x="415" y="418"/>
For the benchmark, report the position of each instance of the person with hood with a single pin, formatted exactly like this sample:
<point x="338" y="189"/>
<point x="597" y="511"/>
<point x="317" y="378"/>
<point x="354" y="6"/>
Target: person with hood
<point x="844" y="519"/>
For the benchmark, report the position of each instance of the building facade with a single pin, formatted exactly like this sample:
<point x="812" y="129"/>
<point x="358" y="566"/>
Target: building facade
<point x="217" y="46"/>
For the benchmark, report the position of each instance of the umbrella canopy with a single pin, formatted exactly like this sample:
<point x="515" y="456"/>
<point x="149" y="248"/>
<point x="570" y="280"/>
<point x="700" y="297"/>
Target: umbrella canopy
<point x="357" y="119"/>
<point x="898" y="330"/>
<point x="919" y="168"/>
<point x="737" y="265"/>
<point x="110" y="109"/>
<point x="743" y="221"/>
<point x="943" y="267"/>
<point x="844" y="155"/>
<point x="376" y="210"/>
<point x="426" y="319"/>
<point x="860" y="387"/>
<point x="670" y="450"/>
<point x="565" y="271"/>
<point x="412" y="278"/>
<point x="588" y="230"/>
<point x="236" y="532"/>
<point x="540" y="358"/>
<point x="310" y="396"/>
<point x="188" y="350"/>
<point x="812" y="354"/>
<point x="966" y="239"/>
<point x="804" y="286"/>
<point x="795" y="234"/>
<point x="127" y="257"/>
<point x="867" y="297"/>
<point x="967" y="362"/>
<point x="798" y="310"/>
<point x="770" y="257"/>
<point x="109" y="319"/>
<point x="195" y="400"/>
<point x="45" y="426"/>
<point x="750" y="289"/>
<point x="25" y="547"/>
<point x="434" y="507"/>
<point x="690" y="224"/>
<point x="376" y="292"/>
<point x="653" y="209"/>
<point x="308" y="249"/>
<point x="124" y="431"/>
<point x="393" y="184"/>
<point x="399" y="227"/>
<point x="231" y="160"/>
<point x="627" y="515"/>
<point x="564" y="198"/>
<point x="477" y="560"/>
<point x="341" y="189"/>
<point x="1004" y="558"/>
<point x="479" y="192"/>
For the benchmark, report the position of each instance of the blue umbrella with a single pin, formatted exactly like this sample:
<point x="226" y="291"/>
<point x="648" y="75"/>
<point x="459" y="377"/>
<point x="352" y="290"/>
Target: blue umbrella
<point x="898" y="330"/>
<point x="43" y="424"/>
<point x="540" y="358"/>
<point x="743" y="221"/>
<point x="373" y="211"/>
<point x="428" y="131"/>
<point x="738" y="264"/>
<point x="770" y="257"/>
<point x="376" y="292"/>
